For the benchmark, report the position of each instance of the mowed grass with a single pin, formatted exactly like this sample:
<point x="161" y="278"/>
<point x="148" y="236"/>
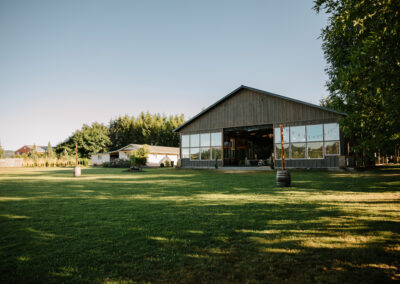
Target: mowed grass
<point x="185" y="226"/>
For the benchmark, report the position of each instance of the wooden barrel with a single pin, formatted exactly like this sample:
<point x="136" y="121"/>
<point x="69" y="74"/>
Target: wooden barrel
<point x="282" y="178"/>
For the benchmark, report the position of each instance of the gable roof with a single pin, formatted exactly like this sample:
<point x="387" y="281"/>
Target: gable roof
<point x="39" y="149"/>
<point x="242" y="87"/>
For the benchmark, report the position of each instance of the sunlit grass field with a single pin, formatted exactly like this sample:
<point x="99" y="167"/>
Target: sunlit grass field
<point x="184" y="226"/>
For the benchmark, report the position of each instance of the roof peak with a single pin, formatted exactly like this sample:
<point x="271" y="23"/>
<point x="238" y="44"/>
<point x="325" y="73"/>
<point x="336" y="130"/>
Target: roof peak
<point x="254" y="90"/>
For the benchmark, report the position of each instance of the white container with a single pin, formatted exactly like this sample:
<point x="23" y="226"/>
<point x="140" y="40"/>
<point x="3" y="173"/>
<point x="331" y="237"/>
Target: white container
<point x="77" y="171"/>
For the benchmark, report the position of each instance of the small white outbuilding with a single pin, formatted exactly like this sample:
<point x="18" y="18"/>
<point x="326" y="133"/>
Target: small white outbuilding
<point x="156" y="156"/>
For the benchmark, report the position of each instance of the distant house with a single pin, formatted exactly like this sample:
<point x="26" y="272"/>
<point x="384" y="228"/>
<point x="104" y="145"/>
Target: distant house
<point x="27" y="148"/>
<point x="156" y="156"/>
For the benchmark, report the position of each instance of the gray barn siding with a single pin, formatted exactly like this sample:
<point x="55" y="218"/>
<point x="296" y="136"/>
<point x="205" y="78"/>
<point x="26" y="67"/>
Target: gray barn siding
<point x="248" y="107"/>
<point x="187" y="163"/>
<point x="327" y="162"/>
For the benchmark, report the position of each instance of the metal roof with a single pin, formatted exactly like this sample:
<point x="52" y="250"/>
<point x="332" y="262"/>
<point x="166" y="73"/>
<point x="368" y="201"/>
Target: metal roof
<point x="258" y="91"/>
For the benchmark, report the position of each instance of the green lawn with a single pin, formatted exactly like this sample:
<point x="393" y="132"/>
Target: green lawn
<point x="166" y="225"/>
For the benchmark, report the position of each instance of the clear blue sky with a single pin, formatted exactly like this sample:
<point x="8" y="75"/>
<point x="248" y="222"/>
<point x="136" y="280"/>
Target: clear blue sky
<point x="65" y="63"/>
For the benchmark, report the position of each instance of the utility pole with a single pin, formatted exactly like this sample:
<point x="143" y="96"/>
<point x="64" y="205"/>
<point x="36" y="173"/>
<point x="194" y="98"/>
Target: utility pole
<point x="282" y="149"/>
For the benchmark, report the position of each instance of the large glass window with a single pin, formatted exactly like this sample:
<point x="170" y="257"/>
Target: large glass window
<point x="298" y="150"/>
<point x="278" y="134"/>
<point x="194" y="140"/>
<point x="216" y="139"/>
<point x="332" y="148"/>
<point x="194" y="153"/>
<point x="314" y="150"/>
<point x="298" y="134"/>
<point x="185" y="144"/>
<point x="185" y="141"/>
<point x="205" y="153"/>
<point x="204" y="146"/>
<point x="216" y="153"/>
<point x="185" y="153"/>
<point x="205" y="139"/>
<point x="332" y="137"/>
<point x="308" y="141"/>
<point x="278" y="151"/>
<point x="331" y="131"/>
<point x="314" y="132"/>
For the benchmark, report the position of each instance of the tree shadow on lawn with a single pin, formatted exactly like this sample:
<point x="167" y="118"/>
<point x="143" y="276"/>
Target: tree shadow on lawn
<point x="378" y="180"/>
<point x="213" y="243"/>
<point x="87" y="231"/>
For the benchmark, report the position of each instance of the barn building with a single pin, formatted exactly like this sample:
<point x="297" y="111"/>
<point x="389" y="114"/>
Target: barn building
<point x="242" y="129"/>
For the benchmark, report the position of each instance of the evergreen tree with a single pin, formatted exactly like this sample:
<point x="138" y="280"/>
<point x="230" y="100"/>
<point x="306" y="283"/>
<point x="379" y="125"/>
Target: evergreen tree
<point x="49" y="151"/>
<point x="33" y="153"/>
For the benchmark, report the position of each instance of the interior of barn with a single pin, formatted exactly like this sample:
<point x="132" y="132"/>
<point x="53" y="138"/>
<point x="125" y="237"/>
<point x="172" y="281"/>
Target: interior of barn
<point x="248" y="146"/>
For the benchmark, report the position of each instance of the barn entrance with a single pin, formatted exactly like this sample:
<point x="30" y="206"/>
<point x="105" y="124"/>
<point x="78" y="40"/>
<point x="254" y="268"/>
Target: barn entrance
<point x="249" y="146"/>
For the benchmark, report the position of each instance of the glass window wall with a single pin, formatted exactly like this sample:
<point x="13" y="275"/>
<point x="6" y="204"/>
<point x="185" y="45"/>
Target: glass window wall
<point x="205" y="153"/>
<point x="308" y="141"/>
<point x="205" y="140"/>
<point x="278" y="151"/>
<point x="298" y="150"/>
<point x="216" y="139"/>
<point x="185" y="141"/>
<point x="204" y="146"/>
<point x="185" y="153"/>
<point x="332" y="148"/>
<point x="331" y="132"/>
<point x="298" y="134"/>
<point x="194" y="140"/>
<point x="277" y="134"/>
<point x="195" y="153"/>
<point x="314" y="150"/>
<point x="314" y="133"/>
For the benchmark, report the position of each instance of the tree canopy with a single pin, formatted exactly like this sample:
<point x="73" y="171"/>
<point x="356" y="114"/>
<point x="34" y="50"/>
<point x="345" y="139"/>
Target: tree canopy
<point x="90" y="138"/>
<point x="146" y="128"/>
<point x="361" y="44"/>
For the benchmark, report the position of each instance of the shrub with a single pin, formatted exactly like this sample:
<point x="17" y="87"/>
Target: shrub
<point x="162" y="165"/>
<point x="117" y="163"/>
<point x="139" y="157"/>
<point x="167" y="164"/>
<point x="84" y="162"/>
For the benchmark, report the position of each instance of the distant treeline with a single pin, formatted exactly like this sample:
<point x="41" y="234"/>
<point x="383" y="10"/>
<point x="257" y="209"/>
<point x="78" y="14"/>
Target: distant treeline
<point x="146" y="128"/>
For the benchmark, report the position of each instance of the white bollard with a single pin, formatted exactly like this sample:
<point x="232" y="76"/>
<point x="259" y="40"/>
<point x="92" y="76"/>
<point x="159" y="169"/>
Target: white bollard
<point x="77" y="171"/>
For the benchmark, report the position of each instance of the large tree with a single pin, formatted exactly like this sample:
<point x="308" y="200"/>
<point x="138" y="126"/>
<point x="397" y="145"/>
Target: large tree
<point x="91" y="139"/>
<point x="146" y="128"/>
<point x="361" y="43"/>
